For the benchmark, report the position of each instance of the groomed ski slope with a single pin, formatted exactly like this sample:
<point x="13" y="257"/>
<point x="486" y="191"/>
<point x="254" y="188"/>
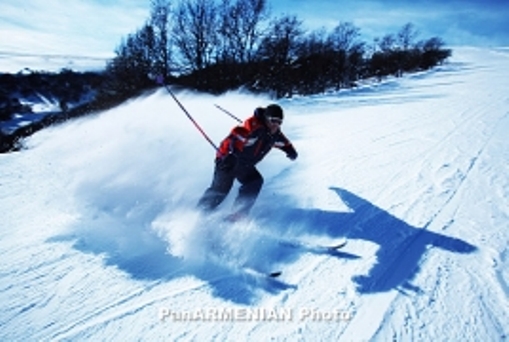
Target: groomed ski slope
<point x="98" y="239"/>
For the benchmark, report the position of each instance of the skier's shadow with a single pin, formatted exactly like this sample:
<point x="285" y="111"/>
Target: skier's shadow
<point x="401" y="246"/>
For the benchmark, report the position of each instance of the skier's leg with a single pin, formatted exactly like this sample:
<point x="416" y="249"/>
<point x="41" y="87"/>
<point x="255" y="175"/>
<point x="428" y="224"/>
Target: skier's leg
<point x="252" y="182"/>
<point x="218" y="190"/>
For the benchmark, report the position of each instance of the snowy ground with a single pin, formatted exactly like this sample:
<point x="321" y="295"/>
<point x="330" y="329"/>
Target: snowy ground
<point x="98" y="240"/>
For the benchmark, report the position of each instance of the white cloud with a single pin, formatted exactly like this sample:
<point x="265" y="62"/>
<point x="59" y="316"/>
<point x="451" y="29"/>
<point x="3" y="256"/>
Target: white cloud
<point x="79" y="27"/>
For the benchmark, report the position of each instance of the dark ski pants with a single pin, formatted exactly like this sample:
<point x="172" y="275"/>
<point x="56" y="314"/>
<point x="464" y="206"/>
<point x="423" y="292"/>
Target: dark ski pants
<point x="251" y="183"/>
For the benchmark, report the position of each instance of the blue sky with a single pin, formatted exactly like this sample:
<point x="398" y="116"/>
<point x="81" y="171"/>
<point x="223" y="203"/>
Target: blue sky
<point x="95" y="27"/>
<point x="458" y="22"/>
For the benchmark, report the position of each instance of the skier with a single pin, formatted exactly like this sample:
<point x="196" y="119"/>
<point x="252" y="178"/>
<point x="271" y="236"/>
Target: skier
<point x="237" y="156"/>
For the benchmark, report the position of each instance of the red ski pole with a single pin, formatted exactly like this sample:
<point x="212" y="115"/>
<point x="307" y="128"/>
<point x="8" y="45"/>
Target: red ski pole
<point x="228" y="113"/>
<point x="189" y="116"/>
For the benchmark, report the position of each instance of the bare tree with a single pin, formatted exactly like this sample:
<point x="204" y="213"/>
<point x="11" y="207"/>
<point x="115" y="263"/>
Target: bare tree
<point x="159" y="20"/>
<point x="278" y="50"/>
<point x="280" y="44"/>
<point x="239" y="29"/>
<point x="344" y="36"/>
<point x="433" y="52"/>
<point x="387" y="43"/>
<point x="346" y="46"/>
<point x="405" y="38"/>
<point x="133" y="62"/>
<point x="195" y="33"/>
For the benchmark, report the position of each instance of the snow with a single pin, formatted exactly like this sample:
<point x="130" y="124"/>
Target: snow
<point x="40" y="110"/>
<point x="99" y="239"/>
<point x="26" y="62"/>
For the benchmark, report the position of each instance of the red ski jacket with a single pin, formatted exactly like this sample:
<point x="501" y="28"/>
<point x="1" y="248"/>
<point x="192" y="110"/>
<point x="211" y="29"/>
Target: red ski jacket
<point x="251" y="142"/>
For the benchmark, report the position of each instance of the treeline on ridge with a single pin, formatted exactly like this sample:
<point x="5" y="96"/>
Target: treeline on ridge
<point x="215" y="46"/>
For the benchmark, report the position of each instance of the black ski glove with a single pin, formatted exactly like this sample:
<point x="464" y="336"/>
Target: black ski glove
<point x="291" y="153"/>
<point x="227" y="163"/>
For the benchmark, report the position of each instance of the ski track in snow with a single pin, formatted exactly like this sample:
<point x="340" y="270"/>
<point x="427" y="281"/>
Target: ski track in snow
<point x="98" y="232"/>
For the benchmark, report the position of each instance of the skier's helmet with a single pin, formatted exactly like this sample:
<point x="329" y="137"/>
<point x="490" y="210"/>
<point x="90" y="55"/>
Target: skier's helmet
<point x="274" y="111"/>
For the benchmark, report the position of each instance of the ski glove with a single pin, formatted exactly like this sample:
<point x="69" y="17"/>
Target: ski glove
<point x="291" y="153"/>
<point x="227" y="163"/>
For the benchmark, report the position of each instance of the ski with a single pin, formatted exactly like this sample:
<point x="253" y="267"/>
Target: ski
<point x="319" y="249"/>
<point x="275" y="274"/>
<point x="337" y="246"/>
<point x="258" y="273"/>
<point x="316" y="248"/>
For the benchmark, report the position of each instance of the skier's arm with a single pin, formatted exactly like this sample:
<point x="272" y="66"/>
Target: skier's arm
<point x="233" y="142"/>
<point x="286" y="146"/>
<point x="290" y="151"/>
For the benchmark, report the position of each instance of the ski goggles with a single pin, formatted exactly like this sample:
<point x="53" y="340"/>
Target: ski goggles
<point x="275" y="120"/>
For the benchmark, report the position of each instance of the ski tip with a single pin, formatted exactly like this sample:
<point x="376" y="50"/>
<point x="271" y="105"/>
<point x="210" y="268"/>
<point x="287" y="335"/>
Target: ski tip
<point x="339" y="245"/>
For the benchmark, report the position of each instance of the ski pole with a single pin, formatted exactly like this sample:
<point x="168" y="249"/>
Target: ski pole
<point x="191" y="118"/>
<point x="228" y="113"/>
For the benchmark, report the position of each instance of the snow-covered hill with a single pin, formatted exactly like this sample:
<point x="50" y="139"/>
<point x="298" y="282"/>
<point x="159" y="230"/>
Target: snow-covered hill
<point x="19" y="62"/>
<point x="98" y="239"/>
